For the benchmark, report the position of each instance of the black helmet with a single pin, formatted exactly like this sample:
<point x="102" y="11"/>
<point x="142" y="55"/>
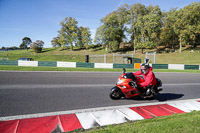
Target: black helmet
<point x="145" y="68"/>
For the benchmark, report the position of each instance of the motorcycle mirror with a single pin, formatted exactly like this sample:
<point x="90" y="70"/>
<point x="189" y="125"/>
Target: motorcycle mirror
<point x="146" y="60"/>
<point x="124" y="70"/>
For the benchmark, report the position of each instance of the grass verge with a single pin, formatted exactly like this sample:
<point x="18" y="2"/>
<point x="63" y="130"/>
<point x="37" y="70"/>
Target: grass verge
<point x="78" y="55"/>
<point x="176" y="123"/>
<point x="43" y="68"/>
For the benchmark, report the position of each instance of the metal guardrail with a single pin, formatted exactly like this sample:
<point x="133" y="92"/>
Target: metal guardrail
<point x="1" y="58"/>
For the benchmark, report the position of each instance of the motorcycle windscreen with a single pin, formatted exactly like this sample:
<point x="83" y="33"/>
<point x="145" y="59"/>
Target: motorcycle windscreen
<point x="130" y="76"/>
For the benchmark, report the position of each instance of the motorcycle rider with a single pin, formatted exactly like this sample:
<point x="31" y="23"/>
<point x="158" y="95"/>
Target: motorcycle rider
<point x="149" y="77"/>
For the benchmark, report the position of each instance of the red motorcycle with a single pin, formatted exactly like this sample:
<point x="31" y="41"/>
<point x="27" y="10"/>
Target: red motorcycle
<point x="127" y="87"/>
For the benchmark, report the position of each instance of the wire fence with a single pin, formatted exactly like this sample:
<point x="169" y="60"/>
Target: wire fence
<point x="110" y="58"/>
<point x="151" y="57"/>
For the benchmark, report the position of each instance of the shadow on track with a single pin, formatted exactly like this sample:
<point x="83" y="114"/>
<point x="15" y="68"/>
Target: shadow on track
<point x="167" y="96"/>
<point x="161" y="97"/>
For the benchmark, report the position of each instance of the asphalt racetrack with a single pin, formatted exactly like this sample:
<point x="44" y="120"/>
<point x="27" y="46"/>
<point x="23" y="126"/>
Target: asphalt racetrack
<point x="24" y="93"/>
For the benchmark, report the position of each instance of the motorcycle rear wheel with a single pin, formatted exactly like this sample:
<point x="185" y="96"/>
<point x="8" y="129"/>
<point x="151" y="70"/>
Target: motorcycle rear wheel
<point x="115" y="93"/>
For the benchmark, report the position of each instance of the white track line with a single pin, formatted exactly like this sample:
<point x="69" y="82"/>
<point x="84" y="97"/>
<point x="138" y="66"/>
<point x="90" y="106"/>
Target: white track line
<point x="38" y="86"/>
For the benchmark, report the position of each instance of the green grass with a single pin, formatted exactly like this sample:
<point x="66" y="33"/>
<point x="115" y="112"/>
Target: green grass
<point x="178" y="58"/>
<point x="43" y="68"/>
<point x="48" y="54"/>
<point x="186" y="57"/>
<point x="176" y="123"/>
<point x="78" y="55"/>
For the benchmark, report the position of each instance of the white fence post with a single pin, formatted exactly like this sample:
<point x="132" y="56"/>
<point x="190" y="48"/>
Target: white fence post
<point x="113" y="58"/>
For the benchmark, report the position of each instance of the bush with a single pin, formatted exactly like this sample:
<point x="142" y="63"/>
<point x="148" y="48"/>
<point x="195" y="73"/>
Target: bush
<point x="37" y="46"/>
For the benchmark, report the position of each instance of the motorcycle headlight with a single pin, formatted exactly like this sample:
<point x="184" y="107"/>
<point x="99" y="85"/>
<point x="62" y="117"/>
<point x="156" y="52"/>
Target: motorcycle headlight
<point x="119" y="81"/>
<point x="123" y="86"/>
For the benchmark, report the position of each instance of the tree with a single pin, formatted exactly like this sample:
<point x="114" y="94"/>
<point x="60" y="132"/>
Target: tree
<point x="152" y="26"/>
<point x="123" y="17"/>
<point x="68" y="32"/>
<point x="55" y="42"/>
<point x="179" y="27"/>
<point x="182" y="26"/>
<point x="37" y="46"/>
<point x="136" y="13"/>
<point x="110" y="33"/>
<point x="187" y="24"/>
<point x="26" y="41"/>
<point x="191" y="22"/>
<point x="168" y="37"/>
<point x="62" y="39"/>
<point x="98" y="39"/>
<point x="145" y="25"/>
<point x="84" y="37"/>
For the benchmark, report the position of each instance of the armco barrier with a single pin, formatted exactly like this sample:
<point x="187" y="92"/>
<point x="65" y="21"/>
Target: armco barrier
<point x="176" y="66"/>
<point x="47" y="63"/>
<point x="9" y="62"/>
<point x="123" y="65"/>
<point x="160" y="66"/>
<point x="192" y="67"/>
<point x="86" y="65"/>
<point x="96" y="65"/>
<point x="103" y="65"/>
<point x="66" y="64"/>
<point x="28" y="63"/>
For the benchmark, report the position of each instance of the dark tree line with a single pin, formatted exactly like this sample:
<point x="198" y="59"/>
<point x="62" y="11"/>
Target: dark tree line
<point x="149" y="27"/>
<point x="141" y="26"/>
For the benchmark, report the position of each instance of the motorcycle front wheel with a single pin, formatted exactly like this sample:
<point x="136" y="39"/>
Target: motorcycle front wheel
<point x="115" y="93"/>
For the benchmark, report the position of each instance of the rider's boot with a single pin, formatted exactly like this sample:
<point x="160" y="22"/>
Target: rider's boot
<point x="148" y="92"/>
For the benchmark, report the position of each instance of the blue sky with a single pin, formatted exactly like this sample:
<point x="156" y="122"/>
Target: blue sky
<point x="40" y="19"/>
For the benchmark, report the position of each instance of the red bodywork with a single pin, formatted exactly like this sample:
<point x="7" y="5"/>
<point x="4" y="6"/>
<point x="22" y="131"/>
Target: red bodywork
<point x="125" y="87"/>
